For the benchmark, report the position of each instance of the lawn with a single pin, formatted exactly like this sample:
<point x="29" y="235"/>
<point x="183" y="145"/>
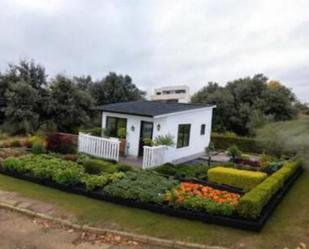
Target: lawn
<point x="288" y="226"/>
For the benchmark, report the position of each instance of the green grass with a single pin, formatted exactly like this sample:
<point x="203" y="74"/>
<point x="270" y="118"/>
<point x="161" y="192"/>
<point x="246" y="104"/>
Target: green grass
<point x="288" y="226"/>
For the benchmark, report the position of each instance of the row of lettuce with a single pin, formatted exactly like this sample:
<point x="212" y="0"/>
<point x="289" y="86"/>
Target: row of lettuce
<point x="120" y="181"/>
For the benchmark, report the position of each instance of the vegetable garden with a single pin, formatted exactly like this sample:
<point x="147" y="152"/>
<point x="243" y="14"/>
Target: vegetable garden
<point x="226" y="194"/>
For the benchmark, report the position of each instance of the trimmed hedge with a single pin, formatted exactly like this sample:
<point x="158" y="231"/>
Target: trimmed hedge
<point x="245" y="144"/>
<point x="243" y="179"/>
<point x="252" y="203"/>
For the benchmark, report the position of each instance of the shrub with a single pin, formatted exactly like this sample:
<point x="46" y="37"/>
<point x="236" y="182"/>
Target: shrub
<point x="13" y="164"/>
<point x="63" y="143"/>
<point x="15" y="143"/>
<point x="198" y="171"/>
<point x="243" y="179"/>
<point x="167" y="140"/>
<point x="70" y="157"/>
<point x="98" y="181"/>
<point x="124" y="168"/>
<point x="35" y="140"/>
<point x="166" y="169"/>
<point x="208" y="206"/>
<point x="121" y="133"/>
<point x="97" y="166"/>
<point x="184" y="171"/>
<point x="142" y="186"/>
<point x="148" y="141"/>
<point x="252" y="203"/>
<point x="38" y="149"/>
<point x="233" y="152"/>
<point x="246" y="144"/>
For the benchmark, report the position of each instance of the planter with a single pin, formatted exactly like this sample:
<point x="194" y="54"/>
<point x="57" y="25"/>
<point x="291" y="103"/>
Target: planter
<point x="232" y="221"/>
<point x="122" y="147"/>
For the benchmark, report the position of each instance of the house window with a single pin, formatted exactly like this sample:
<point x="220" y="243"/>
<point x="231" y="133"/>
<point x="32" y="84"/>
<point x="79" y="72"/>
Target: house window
<point x="113" y="124"/>
<point x="183" y="138"/>
<point x="203" y="126"/>
<point x="180" y="91"/>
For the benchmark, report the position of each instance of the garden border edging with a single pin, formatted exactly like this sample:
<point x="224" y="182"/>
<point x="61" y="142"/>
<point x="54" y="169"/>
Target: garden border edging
<point x="232" y="221"/>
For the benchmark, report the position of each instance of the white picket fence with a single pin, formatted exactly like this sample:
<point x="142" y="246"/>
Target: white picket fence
<point x="107" y="148"/>
<point x="154" y="156"/>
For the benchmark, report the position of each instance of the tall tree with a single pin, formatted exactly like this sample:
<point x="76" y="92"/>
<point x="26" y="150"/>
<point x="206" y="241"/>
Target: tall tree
<point x="71" y="106"/>
<point x="32" y="79"/>
<point x="115" y="88"/>
<point x="245" y="104"/>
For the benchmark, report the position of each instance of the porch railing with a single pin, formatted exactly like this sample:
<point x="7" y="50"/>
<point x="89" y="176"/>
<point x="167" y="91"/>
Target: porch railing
<point x="154" y="156"/>
<point x="107" y="148"/>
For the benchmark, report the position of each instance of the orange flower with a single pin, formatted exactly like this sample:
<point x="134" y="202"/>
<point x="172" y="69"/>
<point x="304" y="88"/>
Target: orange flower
<point x="193" y="189"/>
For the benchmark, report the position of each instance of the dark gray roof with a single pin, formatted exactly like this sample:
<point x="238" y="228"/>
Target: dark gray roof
<point x="149" y="108"/>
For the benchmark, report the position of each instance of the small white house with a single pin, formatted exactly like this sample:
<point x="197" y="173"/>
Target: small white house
<point x="188" y="124"/>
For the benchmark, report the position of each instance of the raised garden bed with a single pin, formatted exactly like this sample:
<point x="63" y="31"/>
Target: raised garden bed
<point x="233" y="221"/>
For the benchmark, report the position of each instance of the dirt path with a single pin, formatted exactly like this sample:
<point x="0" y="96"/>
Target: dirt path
<point x="21" y="232"/>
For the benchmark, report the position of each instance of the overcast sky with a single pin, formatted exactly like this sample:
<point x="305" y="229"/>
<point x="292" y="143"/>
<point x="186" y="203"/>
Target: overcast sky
<point x="162" y="42"/>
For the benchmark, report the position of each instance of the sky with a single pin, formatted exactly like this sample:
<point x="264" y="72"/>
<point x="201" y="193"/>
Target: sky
<point x="161" y="43"/>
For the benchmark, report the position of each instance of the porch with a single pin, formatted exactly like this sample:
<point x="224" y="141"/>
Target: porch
<point x="109" y="148"/>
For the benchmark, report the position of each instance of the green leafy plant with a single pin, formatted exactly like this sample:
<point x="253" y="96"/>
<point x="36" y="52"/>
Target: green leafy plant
<point x="142" y="186"/>
<point x="167" y="140"/>
<point x="233" y="152"/>
<point x="121" y="133"/>
<point x="97" y="166"/>
<point x="98" y="181"/>
<point x="198" y="171"/>
<point x="148" y="141"/>
<point x="38" y="148"/>
<point x="13" y="164"/>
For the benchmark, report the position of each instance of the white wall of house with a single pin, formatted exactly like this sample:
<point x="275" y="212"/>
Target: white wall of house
<point x="197" y="143"/>
<point x="169" y="125"/>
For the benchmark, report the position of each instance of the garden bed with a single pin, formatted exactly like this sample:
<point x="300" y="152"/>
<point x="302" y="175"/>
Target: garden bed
<point x="233" y="221"/>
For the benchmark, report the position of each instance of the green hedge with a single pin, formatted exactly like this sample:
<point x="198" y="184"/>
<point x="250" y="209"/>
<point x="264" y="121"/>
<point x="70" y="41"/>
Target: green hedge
<point x="243" y="179"/>
<point x="245" y="144"/>
<point x="252" y="203"/>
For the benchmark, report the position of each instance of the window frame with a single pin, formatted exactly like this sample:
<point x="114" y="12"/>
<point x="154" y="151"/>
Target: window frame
<point x="118" y="120"/>
<point x="183" y="135"/>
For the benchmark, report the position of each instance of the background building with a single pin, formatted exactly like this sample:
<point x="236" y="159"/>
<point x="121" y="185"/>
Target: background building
<point x="180" y="94"/>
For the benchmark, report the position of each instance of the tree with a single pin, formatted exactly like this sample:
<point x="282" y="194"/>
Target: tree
<point x="31" y="78"/>
<point x="71" y="106"/>
<point x="115" y="88"/>
<point x="246" y="104"/>
<point x="20" y="113"/>
<point x="223" y="99"/>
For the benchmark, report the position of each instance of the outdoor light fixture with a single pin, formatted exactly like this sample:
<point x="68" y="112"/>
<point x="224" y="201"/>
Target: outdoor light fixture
<point x="132" y="128"/>
<point x="158" y="127"/>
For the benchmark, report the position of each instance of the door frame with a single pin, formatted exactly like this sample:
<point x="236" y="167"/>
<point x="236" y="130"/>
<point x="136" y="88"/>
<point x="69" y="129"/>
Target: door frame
<point x="141" y="143"/>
